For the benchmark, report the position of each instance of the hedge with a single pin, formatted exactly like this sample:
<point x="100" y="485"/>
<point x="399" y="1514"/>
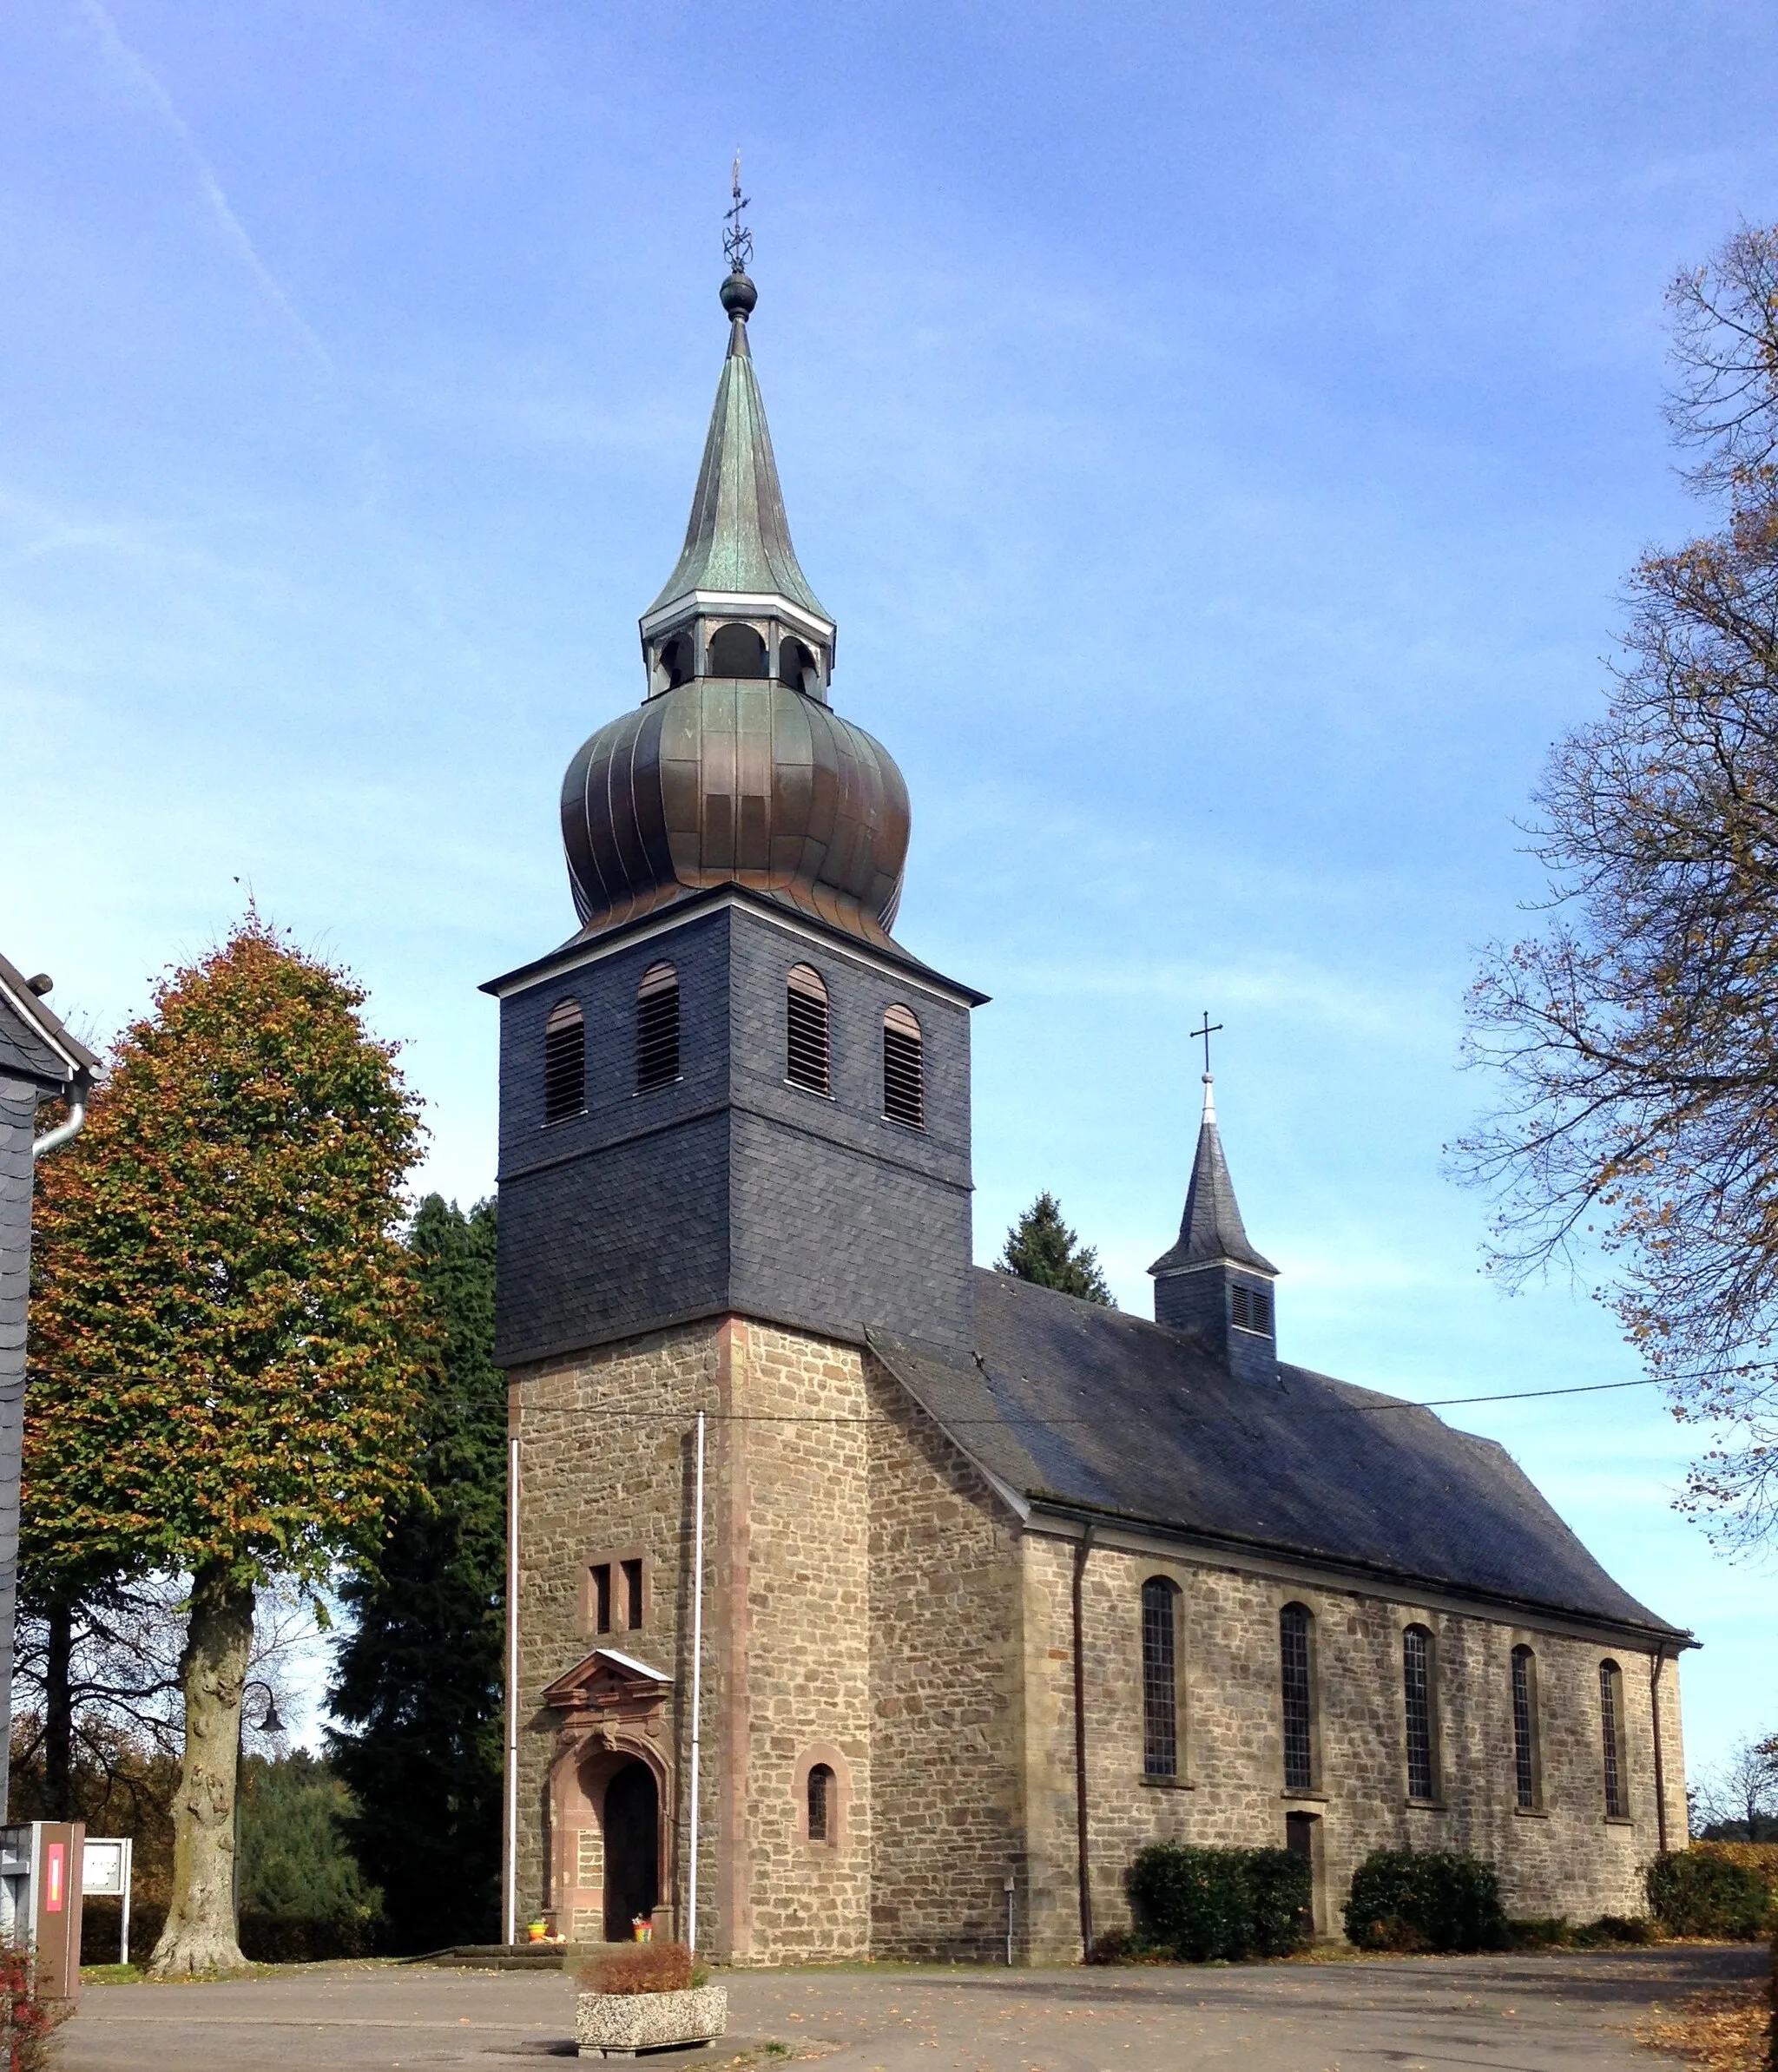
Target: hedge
<point x="1204" y="1904"/>
<point x="1410" y="1899"/>
<point x="1701" y="1892"/>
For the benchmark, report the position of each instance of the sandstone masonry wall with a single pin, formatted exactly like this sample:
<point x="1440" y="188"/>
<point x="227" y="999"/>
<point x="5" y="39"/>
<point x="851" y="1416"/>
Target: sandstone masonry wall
<point x="945" y="1636"/>
<point x="1564" y="1858"/>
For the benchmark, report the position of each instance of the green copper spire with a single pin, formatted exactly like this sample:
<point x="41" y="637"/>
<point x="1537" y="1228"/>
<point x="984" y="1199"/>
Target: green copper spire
<point x="738" y="542"/>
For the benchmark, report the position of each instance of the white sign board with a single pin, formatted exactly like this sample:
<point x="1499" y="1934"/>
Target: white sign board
<point x="103" y="1874"/>
<point x="105" y="1867"/>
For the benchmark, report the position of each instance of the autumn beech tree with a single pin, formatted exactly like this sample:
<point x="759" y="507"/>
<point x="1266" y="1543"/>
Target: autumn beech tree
<point x="225" y="1338"/>
<point x="1636" y="1032"/>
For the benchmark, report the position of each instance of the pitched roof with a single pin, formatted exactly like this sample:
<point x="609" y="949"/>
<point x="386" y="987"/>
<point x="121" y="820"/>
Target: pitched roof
<point x="738" y="538"/>
<point x="1211" y="1227"/>
<point x="1073" y="1404"/>
<point x="33" y="1045"/>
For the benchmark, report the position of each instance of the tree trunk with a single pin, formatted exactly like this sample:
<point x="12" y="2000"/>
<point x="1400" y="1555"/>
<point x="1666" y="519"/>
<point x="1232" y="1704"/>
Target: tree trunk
<point x="58" y="1712"/>
<point x="200" y="1935"/>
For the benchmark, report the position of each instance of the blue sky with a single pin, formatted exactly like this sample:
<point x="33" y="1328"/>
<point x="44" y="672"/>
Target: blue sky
<point x="1220" y="434"/>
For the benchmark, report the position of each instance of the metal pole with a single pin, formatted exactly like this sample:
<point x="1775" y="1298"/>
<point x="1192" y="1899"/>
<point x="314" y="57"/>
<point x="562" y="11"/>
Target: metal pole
<point x="513" y="1690"/>
<point x="128" y="1879"/>
<point x="1009" y="1922"/>
<point x="697" y="1689"/>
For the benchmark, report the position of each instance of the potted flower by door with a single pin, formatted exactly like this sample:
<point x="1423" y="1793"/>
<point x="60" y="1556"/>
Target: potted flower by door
<point x="646" y="1997"/>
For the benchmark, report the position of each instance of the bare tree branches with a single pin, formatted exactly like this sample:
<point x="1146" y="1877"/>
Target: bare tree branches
<point x="1637" y="1036"/>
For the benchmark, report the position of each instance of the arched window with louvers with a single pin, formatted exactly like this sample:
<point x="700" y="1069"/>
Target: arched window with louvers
<point x="807" y="1062"/>
<point x="657" y="1028"/>
<point x="903" y="1068"/>
<point x="564" y="1062"/>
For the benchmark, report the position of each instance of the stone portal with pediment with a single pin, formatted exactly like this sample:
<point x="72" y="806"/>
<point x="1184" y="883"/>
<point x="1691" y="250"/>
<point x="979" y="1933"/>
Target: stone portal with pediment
<point x="610" y="1800"/>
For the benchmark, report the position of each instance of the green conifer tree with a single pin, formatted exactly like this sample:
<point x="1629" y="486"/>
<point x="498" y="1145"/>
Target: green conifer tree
<point x="1041" y="1247"/>
<point x="417" y="1686"/>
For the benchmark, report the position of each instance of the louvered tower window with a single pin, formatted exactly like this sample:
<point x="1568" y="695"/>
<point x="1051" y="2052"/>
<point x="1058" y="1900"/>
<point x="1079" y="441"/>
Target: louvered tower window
<point x="806" y="1062"/>
<point x="903" y="1069"/>
<point x="1611" y="1736"/>
<point x="1250" y="1307"/>
<point x="1416" y="1699"/>
<point x="1294" y="1623"/>
<point x="1160" y="1679"/>
<point x="564" y="1062"/>
<point x="657" y="1028"/>
<point x="1525" y="1726"/>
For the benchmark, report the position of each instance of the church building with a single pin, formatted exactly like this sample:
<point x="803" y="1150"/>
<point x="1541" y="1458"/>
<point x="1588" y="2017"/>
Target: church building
<point x="996" y="1586"/>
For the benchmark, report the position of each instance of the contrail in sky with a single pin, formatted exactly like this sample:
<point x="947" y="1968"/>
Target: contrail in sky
<point x="137" y="70"/>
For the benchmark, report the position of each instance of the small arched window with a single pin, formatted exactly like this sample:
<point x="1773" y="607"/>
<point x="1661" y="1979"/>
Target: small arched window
<point x="1525" y="1728"/>
<point x="737" y="651"/>
<point x="676" y="661"/>
<point x="820" y="1802"/>
<point x="657" y="1028"/>
<point x="564" y="1062"/>
<point x="1159" y="1678"/>
<point x="1417" y="1701"/>
<point x="807" y="1047"/>
<point x="1611" y="1740"/>
<point x="1294" y="1628"/>
<point x="903" y="1069"/>
<point x="797" y="667"/>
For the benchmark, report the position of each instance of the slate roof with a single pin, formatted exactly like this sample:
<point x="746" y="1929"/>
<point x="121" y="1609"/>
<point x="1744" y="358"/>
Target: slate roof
<point x="33" y="1045"/>
<point x="1071" y="1404"/>
<point x="1211" y="1227"/>
<point x="738" y="538"/>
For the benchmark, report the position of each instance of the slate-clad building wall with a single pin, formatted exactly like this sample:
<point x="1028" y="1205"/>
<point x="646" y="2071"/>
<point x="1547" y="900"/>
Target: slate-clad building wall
<point x="731" y="1190"/>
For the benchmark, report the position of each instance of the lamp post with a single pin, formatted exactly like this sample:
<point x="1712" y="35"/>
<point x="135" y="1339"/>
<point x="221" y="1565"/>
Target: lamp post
<point x="270" y="1724"/>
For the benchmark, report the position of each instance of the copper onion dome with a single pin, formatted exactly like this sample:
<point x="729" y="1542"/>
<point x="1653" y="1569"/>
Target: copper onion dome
<point x="736" y="770"/>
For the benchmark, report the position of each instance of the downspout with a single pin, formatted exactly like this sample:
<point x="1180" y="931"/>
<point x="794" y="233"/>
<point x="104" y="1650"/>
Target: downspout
<point x="697" y="1694"/>
<point x="1660" y="1766"/>
<point x="69" y="1127"/>
<point x="1081" y="1550"/>
<point x="511" y="1867"/>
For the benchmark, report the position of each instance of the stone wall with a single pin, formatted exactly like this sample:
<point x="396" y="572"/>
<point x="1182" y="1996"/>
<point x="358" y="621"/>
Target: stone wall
<point x="1564" y="1858"/>
<point x="947" y="1692"/>
<point x="873" y="1606"/>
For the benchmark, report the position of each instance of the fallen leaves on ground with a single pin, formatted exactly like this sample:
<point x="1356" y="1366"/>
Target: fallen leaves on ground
<point x="1722" y="2030"/>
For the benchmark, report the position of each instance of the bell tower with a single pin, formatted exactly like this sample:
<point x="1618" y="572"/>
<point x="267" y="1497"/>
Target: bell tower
<point x="733" y="1092"/>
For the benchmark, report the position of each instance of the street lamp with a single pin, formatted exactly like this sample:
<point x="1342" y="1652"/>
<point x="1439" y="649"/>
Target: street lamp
<point x="270" y="1724"/>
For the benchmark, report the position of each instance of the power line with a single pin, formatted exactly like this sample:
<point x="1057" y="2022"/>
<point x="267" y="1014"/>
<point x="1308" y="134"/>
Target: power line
<point x="1007" y="1417"/>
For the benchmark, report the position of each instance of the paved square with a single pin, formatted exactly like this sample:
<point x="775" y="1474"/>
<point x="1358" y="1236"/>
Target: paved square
<point x="1557" y="2012"/>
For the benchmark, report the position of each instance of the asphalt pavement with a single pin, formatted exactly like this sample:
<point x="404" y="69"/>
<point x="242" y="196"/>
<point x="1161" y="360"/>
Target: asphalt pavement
<point x="1544" y="2012"/>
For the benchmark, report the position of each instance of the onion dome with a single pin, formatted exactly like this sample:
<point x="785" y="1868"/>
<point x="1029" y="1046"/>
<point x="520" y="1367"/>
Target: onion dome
<point x="736" y="770"/>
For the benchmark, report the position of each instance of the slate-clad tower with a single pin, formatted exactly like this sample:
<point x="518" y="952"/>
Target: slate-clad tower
<point x="735" y="836"/>
<point x="1212" y="1283"/>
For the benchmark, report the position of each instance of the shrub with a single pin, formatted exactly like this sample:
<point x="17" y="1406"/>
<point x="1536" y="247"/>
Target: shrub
<point x="1407" y="1900"/>
<point x="1205" y="1904"/>
<point x="642" y="1968"/>
<point x="1702" y="1892"/>
<point x="1616" y="1928"/>
<point x="1538" y="1931"/>
<point x="277" y="1939"/>
<point x="25" y="2022"/>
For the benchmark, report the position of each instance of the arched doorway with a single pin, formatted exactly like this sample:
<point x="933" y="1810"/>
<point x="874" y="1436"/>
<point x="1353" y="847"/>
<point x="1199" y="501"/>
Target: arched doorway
<point x="632" y="1828"/>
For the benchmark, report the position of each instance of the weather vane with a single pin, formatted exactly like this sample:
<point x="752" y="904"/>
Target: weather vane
<point x="737" y="240"/>
<point x="1208" y="1030"/>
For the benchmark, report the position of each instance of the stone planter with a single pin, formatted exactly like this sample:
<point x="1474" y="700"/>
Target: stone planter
<point x="619" y="2025"/>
